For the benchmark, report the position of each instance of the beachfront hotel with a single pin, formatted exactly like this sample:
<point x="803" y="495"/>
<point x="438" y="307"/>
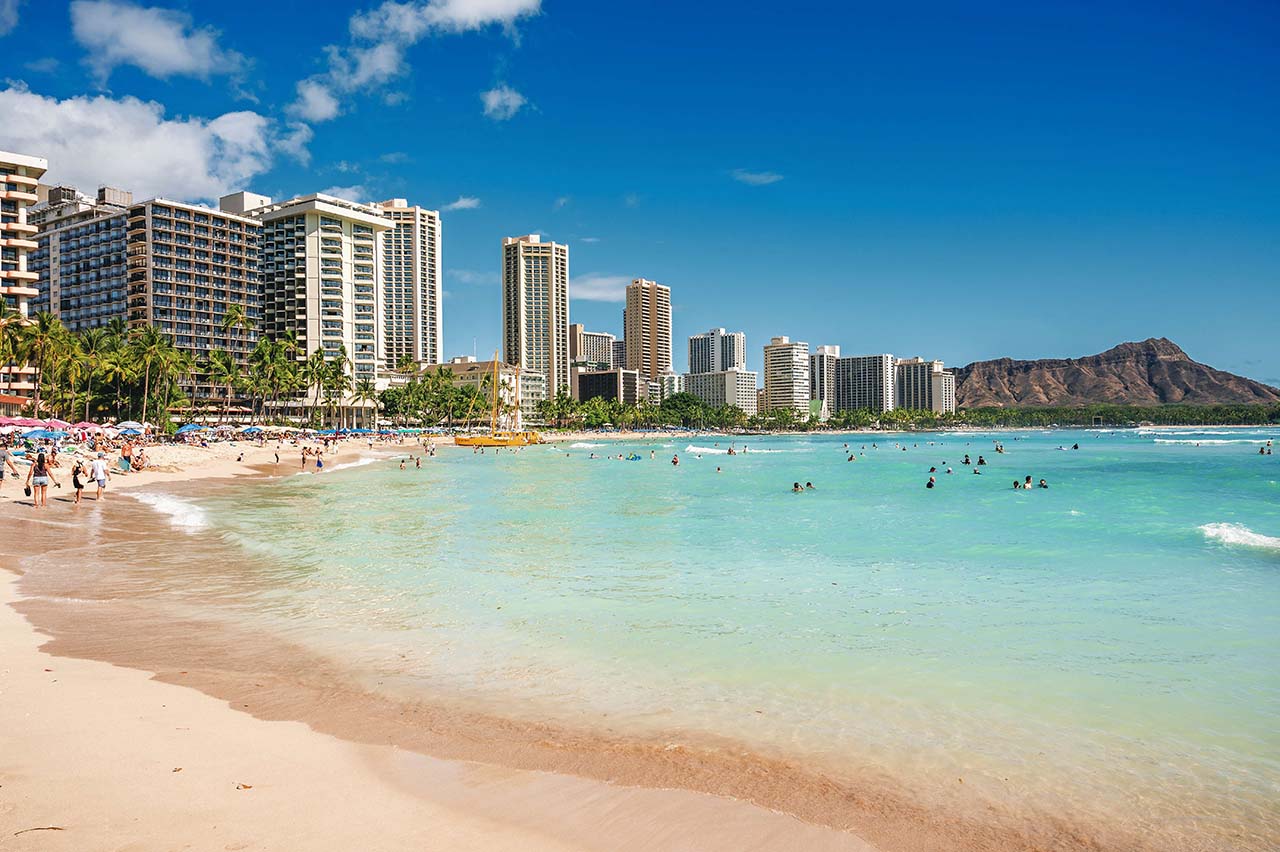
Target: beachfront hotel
<point x="822" y="379"/>
<point x="82" y="256"/>
<point x="535" y="308"/>
<point x="646" y="328"/>
<point x="412" y="294"/>
<point x="924" y="386"/>
<point x="592" y="349"/>
<point x="19" y="189"/>
<point x="717" y="350"/>
<point x="319" y="269"/>
<point x="188" y="266"/>
<point x="725" y="387"/>
<point x="786" y="376"/>
<point x="864" y="382"/>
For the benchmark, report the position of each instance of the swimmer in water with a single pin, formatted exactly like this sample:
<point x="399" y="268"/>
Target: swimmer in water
<point x="975" y="470"/>
<point x="930" y="483"/>
<point x="796" y="489"/>
<point x="1044" y="484"/>
<point x="808" y="486"/>
<point x="675" y="461"/>
<point x="1027" y="483"/>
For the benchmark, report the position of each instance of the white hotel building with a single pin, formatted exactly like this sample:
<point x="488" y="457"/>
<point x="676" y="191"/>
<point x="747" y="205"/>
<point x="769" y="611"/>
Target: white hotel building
<point x="320" y="259"/>
<point x="19" y="181"/>
<point x="412" y="294"/>
<point x="865" y="382"/>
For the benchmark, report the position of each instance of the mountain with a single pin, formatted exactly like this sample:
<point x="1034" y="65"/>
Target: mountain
<point x="1152" y="372"/>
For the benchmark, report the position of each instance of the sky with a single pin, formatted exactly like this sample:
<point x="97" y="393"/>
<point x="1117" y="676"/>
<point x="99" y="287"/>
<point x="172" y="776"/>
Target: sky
<point x="957" y="181"/>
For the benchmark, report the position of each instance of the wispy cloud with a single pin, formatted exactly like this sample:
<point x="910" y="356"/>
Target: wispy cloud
<point x="599" y="288"/>
<point x="561" y="202"/>
<point x="464" y="202"/>
<point x="162" y="42"/>
<point x="380" y="38"/>
<point x="501" y="103"/>
<point x="590" y="239"/>
<point x="356" y="192"/>
<point x="394" y="157"/>
<point x="755" y="178"/>
<point x="631" y="199"/>
<point x="470" y="276"/>
<point x="46" y="65"/>
<point x="8" y="15"/>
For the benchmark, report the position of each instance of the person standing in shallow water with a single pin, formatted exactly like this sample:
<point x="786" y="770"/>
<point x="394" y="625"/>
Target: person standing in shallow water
<point x="38" y="476"/>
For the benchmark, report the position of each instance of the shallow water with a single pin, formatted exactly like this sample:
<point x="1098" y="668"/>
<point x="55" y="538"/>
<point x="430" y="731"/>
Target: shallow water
<point x="1105" y="649"/>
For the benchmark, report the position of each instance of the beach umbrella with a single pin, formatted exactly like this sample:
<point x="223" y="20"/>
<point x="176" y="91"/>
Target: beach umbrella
<point x="55" y="423"/>
<point x="130" y="431"/>
<point x="251" y="430"/>
<point x="190" y="427"/>
<point x="29" y="422"/>
<point x="129" y="424"/>
<point x="86" y="425"/>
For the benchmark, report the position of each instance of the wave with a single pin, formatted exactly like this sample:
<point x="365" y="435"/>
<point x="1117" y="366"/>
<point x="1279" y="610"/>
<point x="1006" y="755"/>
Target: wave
<point x="1256" y="431"/>
<point x="709" y="451"/>
<point x="747" y="451"/>
<point x="360" y="462"/>
<point x="583" y="445"/>
<point x="182" y="515"/>
<point x="1239" y="534"/>
<point x="1212" y="441"/>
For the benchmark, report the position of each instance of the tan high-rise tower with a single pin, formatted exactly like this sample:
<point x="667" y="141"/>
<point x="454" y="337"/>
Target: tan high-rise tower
<point x="647" y="328"/>
<point x="535" y="308"/>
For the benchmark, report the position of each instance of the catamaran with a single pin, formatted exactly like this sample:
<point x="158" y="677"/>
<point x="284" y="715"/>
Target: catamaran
<point x="496" y="437"/>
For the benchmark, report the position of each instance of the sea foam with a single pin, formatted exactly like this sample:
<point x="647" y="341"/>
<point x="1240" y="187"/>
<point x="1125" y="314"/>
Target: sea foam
<point x="1239" y="534"/>
<point x="583" y="445"/>
<point x="360" y="462"/>
<point x="182" y="515"/>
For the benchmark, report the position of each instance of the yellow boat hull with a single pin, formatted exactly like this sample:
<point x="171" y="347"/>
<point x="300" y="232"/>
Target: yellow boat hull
<point x="500" y="439"/>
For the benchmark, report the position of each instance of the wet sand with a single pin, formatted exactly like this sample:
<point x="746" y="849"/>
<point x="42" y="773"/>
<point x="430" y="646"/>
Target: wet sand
<point x="541" y="781"/>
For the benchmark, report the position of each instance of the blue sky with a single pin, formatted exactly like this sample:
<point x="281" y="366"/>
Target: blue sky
<point x="959" y="181"/>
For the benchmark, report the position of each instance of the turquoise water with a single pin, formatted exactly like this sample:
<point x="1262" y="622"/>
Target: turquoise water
<point x="1107" y="648"/>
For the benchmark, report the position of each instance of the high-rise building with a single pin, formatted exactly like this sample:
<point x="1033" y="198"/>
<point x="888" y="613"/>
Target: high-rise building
<point x="786" y="375"/>
<point x="724" y="387"/>
<point x="320" y="274"/>
<point x="924" y="386"/>
<point x="188" y="266"/>
<point x="669" y="384"/>
<point x="19" y="183"/>
<point x="717" y="350"/>
<point x="590" y="347"/>
<point x="82" y="258"/>
<point x="535" y="308"/>
<point x="865" y="382"/>
<point x="619" y="354"/>
<point x="647" y="328"/>
<point x="822" y="378"/>
<point x="412" y="294"/>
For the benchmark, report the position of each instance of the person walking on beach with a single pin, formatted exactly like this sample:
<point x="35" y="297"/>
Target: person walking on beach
<point x="6" y="460"/>
<point x="100" y="473"/>
<point x="38" y="476"/>
<point x="77" y="471"/>
<point x="126" y="456"/>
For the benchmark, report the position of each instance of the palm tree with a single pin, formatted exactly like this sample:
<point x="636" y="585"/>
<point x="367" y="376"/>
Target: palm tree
<point x="149" y="346"/>
<point x="118" y="366"/>
<point x="42" y="336"/>
<point x="366" y="391"/>
<point x="314" y="370"/>
<point x="235" y="317"/>
<point x="220" y="369"/>
<point x="12" y="339"/>
<point x="93" y="345"/>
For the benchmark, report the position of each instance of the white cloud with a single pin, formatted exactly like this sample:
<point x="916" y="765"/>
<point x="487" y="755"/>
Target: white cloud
<point x="129" y="143"/>
<point x="381" y="37"/>
<point x="162" y="42"/>
<point x="562" y="201"/>
<point x="464" y="202"/>
<point x="590" y="239"/>
<point x="356" y="192"/>
<point x="502" y="102"/>
<point x="8" y="15"/>
<point x="755" y="178"/>
<point x="631" y="199"/>
<point x="315" y="102"/>
<point x="470" y="276"/>
<point x="599" y="288"/>
<point x="394" y="157"/>
<point x="44" y="65"/>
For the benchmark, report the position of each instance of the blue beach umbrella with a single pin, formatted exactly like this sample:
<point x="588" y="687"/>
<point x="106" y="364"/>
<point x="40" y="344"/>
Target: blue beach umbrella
<point x="190" y="427"/>
<point x="130" y="432"/>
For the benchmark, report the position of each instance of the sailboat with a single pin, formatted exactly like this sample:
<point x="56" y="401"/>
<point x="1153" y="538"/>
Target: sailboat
<point x="496" y="437"/>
